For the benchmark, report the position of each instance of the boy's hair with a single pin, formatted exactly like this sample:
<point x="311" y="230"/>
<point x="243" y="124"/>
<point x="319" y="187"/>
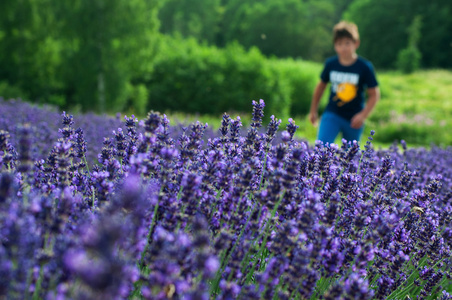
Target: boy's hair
<point x="345" y="29"/>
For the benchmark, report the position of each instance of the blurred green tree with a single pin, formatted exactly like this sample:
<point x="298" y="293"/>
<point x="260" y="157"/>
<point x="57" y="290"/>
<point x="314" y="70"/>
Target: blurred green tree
<point x="340" y="6"/>
<point x="191" y="18"/>
<point x="108" y="45"/>
<point x="408" y="59"/>
<point x="30" y="51"/>
<point x="282" y="28"/>
<point x="383" y="25"/>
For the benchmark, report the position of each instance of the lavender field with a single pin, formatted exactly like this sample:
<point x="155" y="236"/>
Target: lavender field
<point x="93" y="207"/>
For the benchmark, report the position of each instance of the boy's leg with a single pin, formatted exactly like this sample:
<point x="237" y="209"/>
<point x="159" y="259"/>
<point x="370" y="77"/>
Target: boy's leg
<point x="351" y="134"/>
<point x="329" y="127"/>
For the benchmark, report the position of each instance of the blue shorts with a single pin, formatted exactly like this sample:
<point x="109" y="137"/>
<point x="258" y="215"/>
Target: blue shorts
<point x="330" y="126"/>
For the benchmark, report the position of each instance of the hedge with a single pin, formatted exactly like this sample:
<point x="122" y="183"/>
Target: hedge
<point x="196" y="78"/>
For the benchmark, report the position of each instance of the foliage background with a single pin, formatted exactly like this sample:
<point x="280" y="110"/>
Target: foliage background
<point x="210" y="56"/>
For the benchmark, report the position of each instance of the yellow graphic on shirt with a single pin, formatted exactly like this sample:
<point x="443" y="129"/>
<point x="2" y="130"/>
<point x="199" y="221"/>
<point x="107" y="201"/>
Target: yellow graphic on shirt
<point x="345" y="92"/>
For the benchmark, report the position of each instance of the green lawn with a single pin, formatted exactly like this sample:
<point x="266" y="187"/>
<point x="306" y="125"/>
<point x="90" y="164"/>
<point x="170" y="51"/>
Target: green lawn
<point x="416" y="107"/>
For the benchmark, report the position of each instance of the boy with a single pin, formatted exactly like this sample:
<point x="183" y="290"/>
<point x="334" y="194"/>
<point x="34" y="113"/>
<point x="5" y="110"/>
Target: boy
<point x="350" y="76"/>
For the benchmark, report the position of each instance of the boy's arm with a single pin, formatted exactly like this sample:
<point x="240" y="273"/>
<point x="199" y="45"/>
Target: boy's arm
<point x="317" y="95"/>
<point x="373" y="97"/>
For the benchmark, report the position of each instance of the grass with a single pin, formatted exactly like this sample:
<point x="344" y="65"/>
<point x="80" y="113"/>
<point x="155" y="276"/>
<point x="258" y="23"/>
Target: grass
<point x="426" y="92"/>
<point x="415" y="106"/>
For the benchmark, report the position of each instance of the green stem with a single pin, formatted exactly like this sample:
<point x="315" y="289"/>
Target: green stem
<point x="216" y="282"/>
<point x="225" y="261"/>
<point x="280" y="286"/>
<point x="38" y="284"/>
<point x="216" y="203"/>
<point x="86" y="164"/>
<point x="293" y="294"/>
<point x="359" y="164"/>
<point x="246" y="260"/>
<point x="94" y="196"/>
<point x="263" y="170"/>
<point x="396" y="293"/>
<point x="374" y="280"/>
<point x="151" y="228"/>
<point x="321" y="285"/>
<point x="266" y="232"/>
<point x="338" y="217"/>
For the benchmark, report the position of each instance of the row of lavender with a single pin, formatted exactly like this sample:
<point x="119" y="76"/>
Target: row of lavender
<point x="168" y="212"/>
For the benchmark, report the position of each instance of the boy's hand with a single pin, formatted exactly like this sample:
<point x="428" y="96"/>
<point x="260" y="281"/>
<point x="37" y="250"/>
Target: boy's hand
<point x="313" y="117"/>
<point x="358" y="120"/>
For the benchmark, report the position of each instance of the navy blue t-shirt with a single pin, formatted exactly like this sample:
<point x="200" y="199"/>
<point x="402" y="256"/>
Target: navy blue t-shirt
<point x="348" y="85"/>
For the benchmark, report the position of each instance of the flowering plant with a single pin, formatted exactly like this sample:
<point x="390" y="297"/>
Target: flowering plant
<point x="144" y="210"/>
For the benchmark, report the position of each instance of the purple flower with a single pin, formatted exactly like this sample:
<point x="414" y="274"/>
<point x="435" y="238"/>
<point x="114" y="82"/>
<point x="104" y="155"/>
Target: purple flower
<point x="258" y="113"/>
<point x="186" y="212"/>
<point x="211" y="266"/>
<point x="357" y="288"/>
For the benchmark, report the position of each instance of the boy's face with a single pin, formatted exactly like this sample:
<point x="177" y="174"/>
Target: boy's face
<point x="345" y="47"/>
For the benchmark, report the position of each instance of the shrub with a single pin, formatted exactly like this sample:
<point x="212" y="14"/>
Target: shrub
<point x="8" y="91"/>
<point x="409" y="59"/>
<point x="137" y="99"/>
<point x="200" y="79"/>
<point x="301" y="77"/>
